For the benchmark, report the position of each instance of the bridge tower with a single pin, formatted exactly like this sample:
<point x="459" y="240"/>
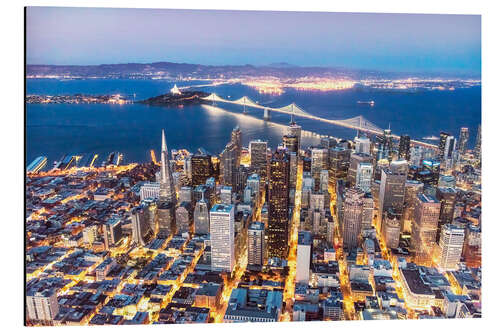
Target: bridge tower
<point x="213" y="99"/>
<point x="244" y="105"/>
<point x="267" y="114"/>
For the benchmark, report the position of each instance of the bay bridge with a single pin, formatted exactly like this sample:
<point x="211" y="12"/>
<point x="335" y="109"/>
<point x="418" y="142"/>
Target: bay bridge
<point x="358" y="123"/>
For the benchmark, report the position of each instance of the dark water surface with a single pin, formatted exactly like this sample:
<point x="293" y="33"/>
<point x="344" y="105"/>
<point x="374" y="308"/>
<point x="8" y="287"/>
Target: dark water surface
<point x="133" y="129"/>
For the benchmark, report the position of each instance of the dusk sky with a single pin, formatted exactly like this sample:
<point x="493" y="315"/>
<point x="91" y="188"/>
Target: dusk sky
<point x="400" y="42"/>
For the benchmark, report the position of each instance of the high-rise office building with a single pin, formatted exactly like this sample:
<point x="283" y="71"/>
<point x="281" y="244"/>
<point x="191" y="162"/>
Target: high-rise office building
<point x="447" y="196"/>
<point x="278" y="199"/>
<point x="256" y="244"/>
<point x="294" y="130"/>
<point x="385" y="147"/>
<point x="166" y="219"/>
<point x="392" y="191"/>
<point x="399" y="166"/>
<point x="236" y="140"/>
<point x="368" y="211"/>
<point x="186" y="194"/>
<point x="226" y="195"/>
<point x="442" y="144"/>
<point x="362" y="145"/>
<point x="222" y="237"/>
<point x="449" y="148"/>
<point x="293" y="170"/>
<point x="228" y="163"/>
<point x="364" y="176"/>
<point x="167" y="190"/>
<point x="404" y="147"/>
<point x="201" y="217"/>
<point x="352" y="217"/>
<point x="323" y="181"/>
<point x="477" y="146"/>
<point x="391" y="229"/>
<point x="463" y="140"/>
<point x="140" y="224"/>
<point x="319" y="161"/>
<point x="451" y="243"/>
<point x="112" y="232"/>
<point x="304" y="254"/>
<point x="412" y="188"/>
<point x="433" y="167"/>
<point x="291" y="143"/>
<point x="254" y="182"/>
<point x="202" y="168"/>
<point x="240" y="178"/>
<point x="424" y="228"/>
<point x="258" y="159"/>
<point x="339" y="163"/>
<point x="472" y="246"/>
<point x="183" y="217"/>
<point x="355" y="160"/>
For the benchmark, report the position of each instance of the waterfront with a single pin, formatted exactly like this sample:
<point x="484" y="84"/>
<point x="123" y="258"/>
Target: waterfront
<point x="54" y="130"/>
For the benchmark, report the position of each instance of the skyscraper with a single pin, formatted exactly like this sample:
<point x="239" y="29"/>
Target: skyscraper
<point x="385" y="146"/>
<point x="229" y="161"/>
<point x="391" y="229"/>
<point x="140" y="224"/>
<point x="294" y="130"/>
<point x="449" y="147"/>
<point x="368" y="210"/>
<point x="183" y="217"/>
<point x="293" y="170"/>
<point x="364" y="176"/>
<point x="319" y="161"/>
<point x="166" y="219"/>
<point x="278" y="205"/>
<point x="236" y="140"/>
<point x="352" y="217"/>
<point x="167" y="190"/>
<point x="258" y="158"/>
<point x="392" y="191"/>
<point x="477" y="147"/>
<point x="451" y="243"/>
<point x="339" y="163"/>
<point x="256" y="244"/>
<point x="201" y="217"/>
<point x="202" y="168"/>
<point x="356" y="159"/>
<point x="412" y="188"/>
<point x="463" y="140"/>
<point x="447" y="196"/>
<point x="362" y="145"/>
<point x="423" y="234"/>
<point x="112" y="232"/>
<point x="222" y="237"/>
<point x="433" y="167"/>
<point x="291" y="143"/>
<point x="304" y="253"/>
<point x="404" y="147"/>
<point x="442" y="144"/>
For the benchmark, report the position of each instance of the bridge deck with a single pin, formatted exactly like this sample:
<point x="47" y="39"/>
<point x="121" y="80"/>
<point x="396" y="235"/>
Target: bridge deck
<point x="297" y="111"/>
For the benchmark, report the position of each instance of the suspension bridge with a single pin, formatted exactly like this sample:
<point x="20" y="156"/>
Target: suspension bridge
<point x="358" y="123"/>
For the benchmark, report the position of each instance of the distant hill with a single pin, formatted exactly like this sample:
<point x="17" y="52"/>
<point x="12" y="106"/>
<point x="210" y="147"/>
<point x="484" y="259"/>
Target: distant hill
<point x="129" y="70"/>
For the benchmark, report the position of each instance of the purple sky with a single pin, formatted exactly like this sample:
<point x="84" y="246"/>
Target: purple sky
<point x="403" y="42"/>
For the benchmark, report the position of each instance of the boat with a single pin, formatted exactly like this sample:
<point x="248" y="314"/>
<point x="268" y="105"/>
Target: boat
<point x="371" y="103"/>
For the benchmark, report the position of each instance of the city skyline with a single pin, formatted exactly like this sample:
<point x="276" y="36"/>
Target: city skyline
<point x="280" y="193"/>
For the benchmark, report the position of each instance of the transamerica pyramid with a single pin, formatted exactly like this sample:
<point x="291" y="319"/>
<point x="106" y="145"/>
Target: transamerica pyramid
<point x="167" y="190"/>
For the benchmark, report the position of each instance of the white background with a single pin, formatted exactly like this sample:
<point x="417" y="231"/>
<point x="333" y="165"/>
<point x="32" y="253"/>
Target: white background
<point x="12" y="148"/>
